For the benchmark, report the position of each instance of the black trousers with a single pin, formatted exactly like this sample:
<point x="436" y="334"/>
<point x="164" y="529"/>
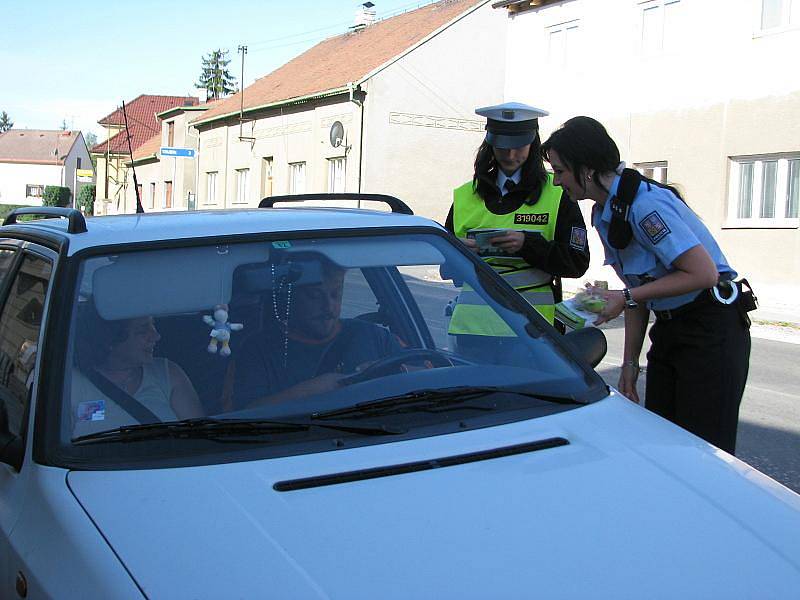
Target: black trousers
<point x="697" y="369"/>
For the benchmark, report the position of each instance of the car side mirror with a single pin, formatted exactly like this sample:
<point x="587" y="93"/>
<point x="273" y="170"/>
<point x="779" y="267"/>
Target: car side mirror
<point x="589" y="343"/>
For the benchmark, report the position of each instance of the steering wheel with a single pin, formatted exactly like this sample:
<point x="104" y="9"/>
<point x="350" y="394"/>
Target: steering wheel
<point x="391" y="364"/>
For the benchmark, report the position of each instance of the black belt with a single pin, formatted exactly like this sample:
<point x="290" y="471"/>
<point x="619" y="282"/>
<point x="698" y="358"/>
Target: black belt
<point x="702" y="299"/>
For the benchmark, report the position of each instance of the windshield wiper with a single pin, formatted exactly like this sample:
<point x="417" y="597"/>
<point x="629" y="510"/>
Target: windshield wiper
<point x="210" y="428"/>
<point x="437" y="398"/>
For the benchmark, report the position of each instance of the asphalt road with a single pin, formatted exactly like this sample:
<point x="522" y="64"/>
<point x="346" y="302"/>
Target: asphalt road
<point x="769" y="418"/>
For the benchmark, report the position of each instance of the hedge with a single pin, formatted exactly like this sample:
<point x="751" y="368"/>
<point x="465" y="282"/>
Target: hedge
<point x="56" y="195"/>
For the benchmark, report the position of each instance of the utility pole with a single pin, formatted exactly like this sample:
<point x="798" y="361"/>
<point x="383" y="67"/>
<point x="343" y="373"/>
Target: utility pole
<point x="242" y="137"/>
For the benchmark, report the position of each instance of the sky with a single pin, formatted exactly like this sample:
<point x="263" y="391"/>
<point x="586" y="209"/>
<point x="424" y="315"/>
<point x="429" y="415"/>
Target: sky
<point x="75" y="62"/>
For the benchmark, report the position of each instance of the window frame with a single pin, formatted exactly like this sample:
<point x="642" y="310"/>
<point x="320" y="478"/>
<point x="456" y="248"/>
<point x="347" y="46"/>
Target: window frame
<point x="789" y="18"/>
<point x="566" y="50"/>
<point x="293" y="166"/>
<point x="166" y="197"/>
<point x="242" y="186"/>
<point x="782" y="188"/>
<point x="211" y="191"/>
<point x="657" y="167"/>
<point x="29" y="188"/>
<point x="659" y="48"/>
<point x="332" y="165"/>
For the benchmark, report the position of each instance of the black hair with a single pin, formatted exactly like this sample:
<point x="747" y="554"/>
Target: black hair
<point x="485" y="176"/>
<point x="95" y="335"/>
<point x="582" y="144"/>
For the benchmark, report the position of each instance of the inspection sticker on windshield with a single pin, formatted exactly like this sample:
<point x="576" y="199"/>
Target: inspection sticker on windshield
<point x="282" y="244"/>
<point x="94" y="410"/>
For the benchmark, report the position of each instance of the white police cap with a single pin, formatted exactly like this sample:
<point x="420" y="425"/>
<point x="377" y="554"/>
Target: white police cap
<point x="512" y="124"/>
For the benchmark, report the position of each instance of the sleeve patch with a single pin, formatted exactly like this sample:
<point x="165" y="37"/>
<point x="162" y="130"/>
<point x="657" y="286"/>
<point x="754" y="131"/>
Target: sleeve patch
<point x="577" y="238"/>
<point x="655" y="227"/>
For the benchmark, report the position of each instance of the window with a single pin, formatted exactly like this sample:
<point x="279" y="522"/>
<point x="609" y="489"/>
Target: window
<point x="266" y="177"/>
<point x="242" y="185"/>
<point x="34" y="190"/>
<point x="659" y="26"/>
<point x="297" y="178"/>
<point x="211" y="187"/>
<point x="170" y="133"/>
<point x="777" y="14"/>
<point x="78" y="162"/>
<point x="167" y="194"/>
<point x="765" y="191"/>
<point x="139" y="192"/>
<point x="562" y="43"/>
<point x="152" y="202"/>
<point x="336" y="172"/>
<point x="20" y="325"/>
<point x="657" y="171"/>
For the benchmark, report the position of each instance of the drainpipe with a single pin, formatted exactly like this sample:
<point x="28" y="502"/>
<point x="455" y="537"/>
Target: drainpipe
<point x="360" y="103"/>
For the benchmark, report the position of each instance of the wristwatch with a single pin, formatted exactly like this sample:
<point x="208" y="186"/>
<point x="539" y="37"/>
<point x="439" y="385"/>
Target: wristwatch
<point x="629" y="301"/>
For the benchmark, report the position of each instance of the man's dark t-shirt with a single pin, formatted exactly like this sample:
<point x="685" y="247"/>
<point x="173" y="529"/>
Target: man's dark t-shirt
<point x="272" y="363"/>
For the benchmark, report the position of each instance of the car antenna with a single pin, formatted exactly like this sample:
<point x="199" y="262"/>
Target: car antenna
<point x="139" y="208"/>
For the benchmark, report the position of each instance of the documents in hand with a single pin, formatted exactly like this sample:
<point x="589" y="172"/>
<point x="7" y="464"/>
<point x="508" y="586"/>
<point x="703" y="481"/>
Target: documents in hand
<point x="483" y="237"/>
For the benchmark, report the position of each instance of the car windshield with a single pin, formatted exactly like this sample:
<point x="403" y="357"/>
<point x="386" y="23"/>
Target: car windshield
<point x="282" y="345"/>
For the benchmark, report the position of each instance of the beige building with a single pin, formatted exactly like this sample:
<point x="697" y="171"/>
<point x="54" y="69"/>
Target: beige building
<point x="386" y="108"/>
<point x="166" y="177"/>
<point x="114" y="153"/>
<point x="701" y="93"/>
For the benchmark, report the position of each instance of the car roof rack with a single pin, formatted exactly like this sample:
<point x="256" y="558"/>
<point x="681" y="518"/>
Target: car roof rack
<point x="76" y="221"/>
<point x="397" y="205"/>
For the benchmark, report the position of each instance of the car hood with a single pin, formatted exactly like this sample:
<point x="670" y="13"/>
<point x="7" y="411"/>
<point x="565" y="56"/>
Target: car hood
<point x="631" y="507"/>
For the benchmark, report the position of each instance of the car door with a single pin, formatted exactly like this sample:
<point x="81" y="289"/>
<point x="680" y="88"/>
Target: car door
<point x="25" y="276"/>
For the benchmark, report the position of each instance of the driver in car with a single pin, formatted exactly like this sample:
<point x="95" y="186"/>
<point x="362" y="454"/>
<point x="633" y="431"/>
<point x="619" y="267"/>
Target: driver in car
<point x="308" y="349"/>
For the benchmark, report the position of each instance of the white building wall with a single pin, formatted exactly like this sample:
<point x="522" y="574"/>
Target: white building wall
<point x="14" y="177"/>
<point x="701" y="86"/>
<point x="421" y="131"/>
<point x="70" y="180"/>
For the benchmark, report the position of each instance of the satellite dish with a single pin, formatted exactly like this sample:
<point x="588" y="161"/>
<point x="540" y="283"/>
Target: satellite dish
<point x="336" y="134"/>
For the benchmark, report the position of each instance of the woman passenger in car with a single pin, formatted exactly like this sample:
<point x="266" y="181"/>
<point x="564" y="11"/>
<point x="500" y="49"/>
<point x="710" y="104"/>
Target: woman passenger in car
<point x="120" y="354"/>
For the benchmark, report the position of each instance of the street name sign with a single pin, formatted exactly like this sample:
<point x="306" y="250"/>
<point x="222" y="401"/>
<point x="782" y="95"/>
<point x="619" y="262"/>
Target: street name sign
<point x="181" y="152"/>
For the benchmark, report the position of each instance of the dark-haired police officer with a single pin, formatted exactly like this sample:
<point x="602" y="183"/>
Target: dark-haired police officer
<point x="543" y="234"/>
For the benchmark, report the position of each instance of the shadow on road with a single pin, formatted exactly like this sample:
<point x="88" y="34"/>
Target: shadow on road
<point x="773" y="451"/>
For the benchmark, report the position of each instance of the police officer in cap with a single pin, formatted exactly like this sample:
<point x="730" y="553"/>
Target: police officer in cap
<point x="512" y="215"/>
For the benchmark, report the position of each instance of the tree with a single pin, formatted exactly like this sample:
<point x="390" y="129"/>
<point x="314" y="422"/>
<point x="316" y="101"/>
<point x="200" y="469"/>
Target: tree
<point x="91" y="139"/>
<point x="215" y="79"/>
<point x="86" y="199"/>
<point x="5" y="122"/>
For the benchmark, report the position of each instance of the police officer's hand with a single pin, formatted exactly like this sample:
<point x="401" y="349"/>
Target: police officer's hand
<point x="510" y="241"/>
<point x="470" y="243"/>
<point x="627" y="381"/>
<point x="615" y="304"/>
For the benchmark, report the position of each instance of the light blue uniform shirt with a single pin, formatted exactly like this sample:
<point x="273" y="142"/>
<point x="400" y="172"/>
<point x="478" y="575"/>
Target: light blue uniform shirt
<point x="663" y="229"/>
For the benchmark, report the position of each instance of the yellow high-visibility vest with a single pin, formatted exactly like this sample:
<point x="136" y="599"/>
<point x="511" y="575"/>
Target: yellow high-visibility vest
<point x="471" y="315"/>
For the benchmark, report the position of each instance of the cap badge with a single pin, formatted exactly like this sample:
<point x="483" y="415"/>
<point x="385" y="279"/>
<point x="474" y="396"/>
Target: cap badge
<point x="508" y="114"/>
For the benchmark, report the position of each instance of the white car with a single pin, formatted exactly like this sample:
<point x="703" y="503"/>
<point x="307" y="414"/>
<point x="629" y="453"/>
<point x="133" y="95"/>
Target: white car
<point x="275" y="403"/>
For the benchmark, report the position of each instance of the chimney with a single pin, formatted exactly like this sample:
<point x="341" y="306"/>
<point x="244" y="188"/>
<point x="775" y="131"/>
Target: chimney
<point x="365" y="16"/>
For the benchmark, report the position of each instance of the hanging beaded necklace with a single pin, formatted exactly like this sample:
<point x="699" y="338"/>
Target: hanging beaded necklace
<point x="276" y="291"/>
